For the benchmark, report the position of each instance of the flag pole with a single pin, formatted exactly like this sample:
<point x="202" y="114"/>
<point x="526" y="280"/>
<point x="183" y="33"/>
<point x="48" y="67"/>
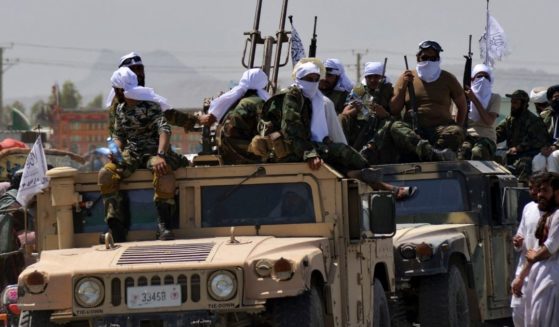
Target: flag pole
<point x="487" y="34"/>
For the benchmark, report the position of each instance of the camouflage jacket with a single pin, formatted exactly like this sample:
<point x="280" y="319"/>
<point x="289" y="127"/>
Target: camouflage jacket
<point x="290" y="112"/>
<point x="241" y="120"/>
<point x="138" y="127"/>
<point x="526" y="132"/>
<point x="338" y="97"/>
<point x="547" y="117"/>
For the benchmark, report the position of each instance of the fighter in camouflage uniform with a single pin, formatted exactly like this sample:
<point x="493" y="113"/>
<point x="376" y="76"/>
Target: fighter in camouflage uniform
<point x="142" y="133"/>
<point x="237" y="112"/>
<point x="388" y="140"/>
<point x="525" y="134"/>
<point x="294" y="129"/>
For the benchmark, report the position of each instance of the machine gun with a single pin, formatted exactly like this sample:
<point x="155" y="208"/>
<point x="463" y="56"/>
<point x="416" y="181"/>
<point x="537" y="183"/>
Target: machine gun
<point x="271" y="62"/>
<point x="413" y="103"/>
<point x="467" y="79"/>
<point x="312" y="47"/>
<point x="369" y="130"/>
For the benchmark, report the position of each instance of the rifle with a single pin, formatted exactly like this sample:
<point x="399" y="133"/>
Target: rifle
<point x="206" y="132"/>
<point x="369" y="130"/>
<point x="413" y="103"/>
<point x="467" y="79"/>
<point x="312" y="47"/>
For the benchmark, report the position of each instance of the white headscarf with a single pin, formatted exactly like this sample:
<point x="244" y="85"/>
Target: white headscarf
<point x="135" y="59"/>
<point x="252" y="79"/>
<point x="337" y="68"/>
<point x="538" y="94"/>
<point x="319" y="127"/>
<point x="373" y="68"/>
<point x="428" y="71"/>
<point x="482" y="88"/>
<point x="124" y="78"/>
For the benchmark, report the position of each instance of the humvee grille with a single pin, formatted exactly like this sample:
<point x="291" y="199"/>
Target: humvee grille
<point x="165" y="253"/>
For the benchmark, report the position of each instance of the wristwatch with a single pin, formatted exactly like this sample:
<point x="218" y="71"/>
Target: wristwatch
<point x="161" y="154"/>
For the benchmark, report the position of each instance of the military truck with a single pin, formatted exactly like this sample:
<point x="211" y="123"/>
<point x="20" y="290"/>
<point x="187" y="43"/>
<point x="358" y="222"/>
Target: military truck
<point x="453" y="254"/>
<point x="271" y="244"/>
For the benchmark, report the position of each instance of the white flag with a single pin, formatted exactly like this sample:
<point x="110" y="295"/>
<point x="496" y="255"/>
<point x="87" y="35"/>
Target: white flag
<point x="493" y="43"/>
<point x="34" y="177"/>
<point x="297" y="48"/>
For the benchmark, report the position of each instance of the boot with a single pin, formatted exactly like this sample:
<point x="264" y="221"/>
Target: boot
<point x="117" y="230"/>
<point x="165" y="214"/>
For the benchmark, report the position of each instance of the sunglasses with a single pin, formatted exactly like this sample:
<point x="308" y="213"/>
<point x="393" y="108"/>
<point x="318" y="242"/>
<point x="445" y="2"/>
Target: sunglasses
<point x="131" y="61"/>
<point x="428" y="58"/>
<point x="431" y="44"/>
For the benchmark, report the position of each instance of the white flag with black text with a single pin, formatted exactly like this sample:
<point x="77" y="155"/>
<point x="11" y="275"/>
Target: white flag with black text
<point x="493" y="43"/>
<point x="34" y="178"/>
<point x="297" y="48"/>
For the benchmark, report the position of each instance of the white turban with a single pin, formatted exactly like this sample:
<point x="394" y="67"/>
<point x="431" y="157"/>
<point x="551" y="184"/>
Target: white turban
<point x="252" y="79"/>
<point x="482" y="88"/>
<point x="336" y="67"/>
<point x="124" y="78"/>
<point x="538" y="94"/>
<point x="319" y="126"/>
<point x="482" y="68"/>
<point x="130" y="59"/>
<point x="373" y="68"/>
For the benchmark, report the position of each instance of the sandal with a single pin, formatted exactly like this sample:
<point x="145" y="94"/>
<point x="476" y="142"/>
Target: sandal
<point x="405" y="193"/>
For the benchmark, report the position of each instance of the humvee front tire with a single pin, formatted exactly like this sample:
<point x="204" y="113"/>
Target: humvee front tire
<point x="305" y="310"/>
<point x="443" y="300"/>
<point x="381" y="314"/>
<point x="35" y="319"/>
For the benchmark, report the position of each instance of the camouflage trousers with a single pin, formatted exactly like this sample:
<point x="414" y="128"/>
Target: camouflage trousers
<point x="340" y="156"/>
<point x="111" y="175"/>
<point x="478" y="148"/>
<point x="521" y="164"/>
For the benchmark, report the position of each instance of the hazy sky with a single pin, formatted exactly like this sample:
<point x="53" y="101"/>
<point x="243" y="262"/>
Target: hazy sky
<point x="58" y="40"/>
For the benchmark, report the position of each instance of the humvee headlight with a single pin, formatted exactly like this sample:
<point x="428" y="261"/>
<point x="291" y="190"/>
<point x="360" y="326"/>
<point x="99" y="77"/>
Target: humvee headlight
<point x="222" y="285"/>
<point x="263" y="268"/>
<point x="407" y="251"/>
<point x="89" y="292"/>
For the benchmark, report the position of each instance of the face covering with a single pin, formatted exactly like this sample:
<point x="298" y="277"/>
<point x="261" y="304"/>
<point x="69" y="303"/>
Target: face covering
<point x="309" y="88"/>
<point x="481" y="87"/>
<point x="428" y="71"/>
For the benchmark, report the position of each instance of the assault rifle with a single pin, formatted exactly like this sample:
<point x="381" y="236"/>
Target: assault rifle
<point x="312" y="47"/>
<point x="206" y="132"/>
<point x="413" y="103"/>
<point x="369" y="130"/>
<point x="467" y="79"/>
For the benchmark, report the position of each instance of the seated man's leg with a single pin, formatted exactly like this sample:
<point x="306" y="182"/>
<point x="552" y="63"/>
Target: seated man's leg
<point x="411" y="144"/>
<point x="164" y="197"/>
<point x="109" y="182"/>
<point x="236" y="133"/>
<point x="451" y="137"/>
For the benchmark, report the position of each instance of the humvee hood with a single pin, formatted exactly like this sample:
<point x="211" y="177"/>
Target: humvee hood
<point x="433" y="234"/>
<point x="180" y="254"/>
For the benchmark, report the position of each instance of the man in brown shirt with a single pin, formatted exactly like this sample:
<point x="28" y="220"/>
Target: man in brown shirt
<point x="435" y="90"/>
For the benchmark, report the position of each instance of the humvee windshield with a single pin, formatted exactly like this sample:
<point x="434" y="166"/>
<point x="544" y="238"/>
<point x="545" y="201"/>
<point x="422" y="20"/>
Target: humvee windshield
<point x="433" y="196"/>
<point x="261" y="204"/>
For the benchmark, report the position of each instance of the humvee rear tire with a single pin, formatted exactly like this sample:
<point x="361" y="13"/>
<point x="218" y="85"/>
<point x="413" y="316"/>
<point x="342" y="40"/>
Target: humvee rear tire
<point x="35" y="319"/>
<point x="381" y="314"/>
<point x="305" y="310"/>
<point x="443" y="300"/>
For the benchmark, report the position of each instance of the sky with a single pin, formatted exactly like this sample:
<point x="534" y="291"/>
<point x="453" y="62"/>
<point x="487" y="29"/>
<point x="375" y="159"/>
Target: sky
<point x="48" y="41"/>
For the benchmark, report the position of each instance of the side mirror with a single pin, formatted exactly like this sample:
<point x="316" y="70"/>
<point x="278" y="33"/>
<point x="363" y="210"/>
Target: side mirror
<point x="379" y="220"/>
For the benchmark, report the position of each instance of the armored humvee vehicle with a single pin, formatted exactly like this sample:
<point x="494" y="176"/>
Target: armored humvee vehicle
<point x="453" y="254"/>
<point x="275" y="244"/>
